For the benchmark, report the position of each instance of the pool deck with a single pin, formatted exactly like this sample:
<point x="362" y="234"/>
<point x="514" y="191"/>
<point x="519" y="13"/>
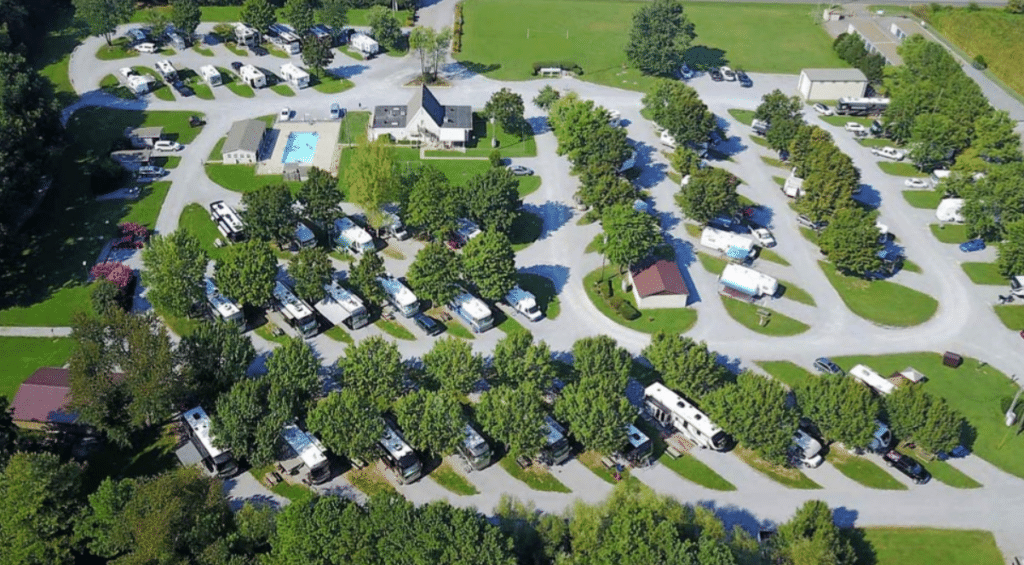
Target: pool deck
<point x="323" y="158"/>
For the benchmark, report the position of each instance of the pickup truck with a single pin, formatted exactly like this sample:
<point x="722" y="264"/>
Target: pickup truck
<point x="889" y="153"/>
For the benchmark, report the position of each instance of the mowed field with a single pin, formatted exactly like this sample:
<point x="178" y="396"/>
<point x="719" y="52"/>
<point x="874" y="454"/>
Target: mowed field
<point x="775" y="38"/>
<point x="996" y="35"/>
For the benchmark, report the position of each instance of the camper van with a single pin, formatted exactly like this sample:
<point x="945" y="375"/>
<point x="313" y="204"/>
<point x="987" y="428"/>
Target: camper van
<point x="399" y="296"/>
<point x="211" y="75"/>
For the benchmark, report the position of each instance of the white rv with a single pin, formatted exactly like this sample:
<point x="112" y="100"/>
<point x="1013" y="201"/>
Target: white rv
<point x="399" y="296"/>
<point x="294" y="75"/>
<point x="524" y="302"/>
<point x="473" y="311"/>
<point x="351" y="237"/>
<point x="140" y="84"/>
<point x="399" y="456"/>
<point x="340" y="306"/>
<point x="167" y="70"/>
<point x="734" y="245"/>
<point x="252" y="76"/>
<point x="229" y="223"/>
<point x="793" y="187"/>
<point x="364" y="44"/>
<point x="286" y="38"/>
<point x="474" y="448"/>
<point x="218" y="461"/>
<point x="246" y="35"/>
<point x="950" y="210"/>
<point x="211" y="75"/>
<point x="873" y="380"/>
<point x="748" y="281"/>
<point x="673" y="411"/>
<point x="310" y="451"/>
<point x="806" y="450"/>
<point x="295" y="310"/>
<point x="222" y="306"/>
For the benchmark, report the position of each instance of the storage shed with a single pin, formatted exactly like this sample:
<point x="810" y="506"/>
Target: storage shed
<point x="832" y="84"/>
<point x="659" y="285"/>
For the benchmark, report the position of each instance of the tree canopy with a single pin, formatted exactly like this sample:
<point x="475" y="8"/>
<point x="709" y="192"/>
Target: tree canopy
<point x="371" y="175"/>
<point x="214" y="357"/>
<point x="174" y="269"/>
<point x="433" y="204"/>
<point x="585" y="135"/>
<point x="40" y="494"/>
<point x="103" y="16"/>
<point x="311" y="269"/>
<point x="385" y="27"/>
<point x="258" y="13"/>
<point x="926" y="419"/>
<point x="686" y="366"/>
<point x="851" y="241"/>
<point x="755" y="411"/>
<point x="841" y="408"/>
<point x="489" y="262"/>
<point x="710" y="193"/>
<point x="348" y="423"/>
<point x="506" y="108"/>
<point x="431" y="421"/>
<point x="518" y="361"/>
<point x="363" y="277"/>
<point x="268" y="213"/>
<point x="491" y="199"/>
<point x="660" y="36"/>
<point x="452" y="366"/>
<point x="631" y="235"/>
<point x="186" y="15"/>
<point x="515" y="417"/>
<point x="373" y="368"/>
<point x="246" y="273"/>
<point x="677" y="107"/>
<point x="434" y="272"/>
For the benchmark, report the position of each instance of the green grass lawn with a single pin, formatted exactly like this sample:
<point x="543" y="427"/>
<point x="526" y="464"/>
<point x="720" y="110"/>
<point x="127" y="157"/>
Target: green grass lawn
<point x="882" y="302"/>
<point x="712" y="264"/>
<point x="283" y="89"/>
<point x="544" y="291"/>
<point x="942" y="470"/>
<point x="234" y="84"/>
<point x="370" y="480"/>
<point x="778" y="324"/>
<point x="758" y="140"/>
<point x="535" y="476"/>
<point x="526" y="229"/>
<point x="119" y="50"/>
<point x="203" y="90"/>
<point x="338" y="333"/>
<point x="235" y="49"/>
<point x="786" y="476"/>
<point x="754" y="37"/>
<point x="911" y="267"/>
<point x="787" y="372"/>
<point x="875" y="142"/>
<point x="509" y="144"/>
<point x="528" y="185"/>
<point x="793" y="292"/>
<point x="901" y="169"/>
<point x="993" y="33"/>
<point x="687" y="466"/>
<point x="745" y="117"/>
<point x="288" y="490"/>
<point x="592" y="460"/>
<point x="984" y="273"/>
<point x="950" y="233"/>
<point x="670" y="320"/>
<point x="925" y="199"/>
<point x="62" y="34"/>
<point x="1011" y="316"/>
<point x="160" y="89"/>
<point x="507" y="324"/>
<point x="353" y="127"/>
<point x="455" y="328"/>
<point x="840" y="121"/>
<point x="23" y="355"/>
<point x="595" y="244"/>
<point x="329" y="84"/>
<point x="458" y="171"/>
<point x="979" y="392"/>
<point x="395" y="329"/>
<point x="266" y="331"/>
<point x="204" y="51"/>
<point x="774" y="162"/>
<point x="862" y="470"/>
<point x="196" y="220"/>
<point x="452" y="480"/>
<point x="243" y="178"/>
<point x="927" y="546"/>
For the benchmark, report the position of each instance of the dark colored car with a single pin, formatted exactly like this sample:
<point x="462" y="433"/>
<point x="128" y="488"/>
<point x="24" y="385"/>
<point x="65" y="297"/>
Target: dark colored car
<point x="825" y="365"/>
<point x="908" y="466"/>
<point x="744" y="79"/>
<point x="429" y="325"/>
<point x="972" y="245"/>
<point x="716" y="75"/>
<point x="260" y="51"/>
<point x="236" y="65"/>
<point x="183" y="89"/>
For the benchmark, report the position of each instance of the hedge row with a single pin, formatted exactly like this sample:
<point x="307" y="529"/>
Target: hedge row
<point x="622" y="307"/>
<point x="457" y="29"/>
<point x="564" y="65"/>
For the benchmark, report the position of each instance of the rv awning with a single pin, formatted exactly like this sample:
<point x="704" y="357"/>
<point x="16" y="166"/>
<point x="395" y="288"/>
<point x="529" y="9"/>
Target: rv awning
<point x="737" y="253"/>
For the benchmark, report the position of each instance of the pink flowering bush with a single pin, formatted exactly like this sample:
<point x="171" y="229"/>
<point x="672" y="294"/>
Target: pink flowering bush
<point x="118" y="273"/>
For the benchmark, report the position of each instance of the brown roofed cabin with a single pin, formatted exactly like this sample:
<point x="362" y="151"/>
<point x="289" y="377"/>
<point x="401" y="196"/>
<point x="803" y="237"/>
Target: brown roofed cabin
<point x="659" y="285"/>
<point x="43" y="399"/>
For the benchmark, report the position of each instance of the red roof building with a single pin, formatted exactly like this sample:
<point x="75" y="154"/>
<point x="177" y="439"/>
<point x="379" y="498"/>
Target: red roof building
<point x="43" y="399"/>
<point x="659" y="285"/>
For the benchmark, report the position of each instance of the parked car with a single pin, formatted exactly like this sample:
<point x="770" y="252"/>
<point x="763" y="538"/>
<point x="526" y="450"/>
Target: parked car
<point x="807" y="223"/>
<point x="972" y="245"/>
<point x="285" y="114"/>
<point x="196" y="121"/>
<point x="686" y="72"/>
<point x="520" y="171"/>
<point x="147" y="48"/>
<point x="889" y="153"/>
<point x="151" y="171"/>
<point x="764" y="237"/>
<point x="337" y="111"/>
<point x="908" y="466"/>
<point x="429" y="325"/>
<point x="825" y="365"/>
<point x="822" y="109"/>
<point x="855" y="128"/>
<point x="259" y="51"/>
<point x="236" y="65"/>
<point x="917" y="183"/>
<point x="183" y="89"/>
<point x="167" y="145"/>
<point x="745" y="81"/>
<point x="728" y="74"/>
<point x="716" y="75"/>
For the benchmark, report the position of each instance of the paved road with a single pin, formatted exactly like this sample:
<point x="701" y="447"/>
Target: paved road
<point x="964" y="322"/>
<point x="34" y="331"/>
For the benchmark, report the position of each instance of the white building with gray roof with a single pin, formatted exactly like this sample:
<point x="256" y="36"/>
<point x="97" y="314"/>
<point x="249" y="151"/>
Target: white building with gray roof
<point x="424" y="119"/>
<point x="242" y="147"/>
<point x="832" y="84"/>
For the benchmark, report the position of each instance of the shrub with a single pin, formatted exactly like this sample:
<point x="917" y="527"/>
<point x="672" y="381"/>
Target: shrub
<point x="457" y="29"/>
<point x="973" y="7"/>
<point x="623" y="308"/>
<point x="118" y="273"/>
<point x="980" y="63"/>
<point x="495" y="158"/>
<point x="564" y="65"/>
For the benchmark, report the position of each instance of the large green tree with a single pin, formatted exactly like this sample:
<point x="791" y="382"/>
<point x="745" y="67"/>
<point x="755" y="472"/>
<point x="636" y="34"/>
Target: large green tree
<point x="246" y="424"/>
<point x="268" y="213"/>
<point x="186" y="15"/>
<point x="489" y="262"/>
<point x="841" y="408"/>
<point x="630" y="235"/>
<point x="1011" y="249"/>
<point x="518" y="361"/>
<point x="363" y="277"/>
<point x="421" y="40"/>
<point x="784" y="115"/>
<point x="385" y="27"/>
<point x="246" y="272"/>
<point x="316" y="54"/>
<point x="311" y="269"/>
<point x="677" y="107"/>
<point x="373" y="368"/>
<point x="258" y="13"/>
<point x="756" y="412"/>
<point x="452" y="366"/>
<point x="434" y="272"/>
<point x="292" y="375"/>
<point x="103" y="16"/>
<point x="812" y="537"/>
<point x="595" y="406"/>
<point x="923" y="418"/>
<point x="320" y="197"/>
<point x="40" y="494"/>
<point x="506" y="108"/>
<point x="711" y="192"/>
<point x="931" y="143"/>
<point x="433" y="205"/>
<point x="491" y="199"/>
<point x="515" y="417"/>
<point x="334" y="13"/>
<point x="371" y="175"/>
<point x="348" y="423"/>
<point x="431" y="421"/>
<point x="686" y="366"/>
<point x="851" y="241"/>
<point x="994" y="201"/>
<point x="585" y="136"/>
<point x="174" y="269"/>
<point x="215" y="355"/>
<point x="660" y="36"/>
<point x="601" y="187"/>
<point x="299" y="13"/>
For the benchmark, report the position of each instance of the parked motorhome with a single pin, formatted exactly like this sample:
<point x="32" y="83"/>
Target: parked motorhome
<point x="229" y="223"/>
<point x="295" y="310"/>
<point x="399" y="455"/>
<point x="220" y="462"/>
<point x="524" y="302"/>
<point x="399" y="296"/>
<point x="556" y="443"/>
<point x="747" y="282"/>
<point x="474" y="448"/>
<point x="246" y="35"/>
<point x="294" y="76"/>
<point x="733" y="245"/>
<point x="675" y="412"/>
<point x="287" y="39"/>
<point x="638" y="448"/>
<point x="167" y="70"/>
<point x="221" y="306"/>
<point x="211" y="75"/>
<point x="310" y="451"/>
<point x="861" y="106"/>
<point x="472" y="310"/>
<point x="350" y="237"/>
<point x="341" y="306"/>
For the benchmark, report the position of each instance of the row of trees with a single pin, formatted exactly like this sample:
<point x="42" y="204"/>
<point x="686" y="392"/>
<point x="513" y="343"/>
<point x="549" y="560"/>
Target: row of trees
<point x="181" y="516"/>
<point x="660" y="37"/>
<point x="851" y="48"/>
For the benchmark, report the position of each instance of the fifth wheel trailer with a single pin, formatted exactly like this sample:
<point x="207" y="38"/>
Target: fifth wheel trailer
<point x="733" y="245"/>
<point x="873" y="380"/>
<point x="675" y="412"/>
<point x="748" y="281"/>
<point x="340" y="306"/>
<point x="310" y="451"/>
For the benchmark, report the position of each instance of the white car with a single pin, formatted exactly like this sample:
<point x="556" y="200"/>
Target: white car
<point x="126" y="71"/>
<point x="168" y="145"/>
<point x="855" y="128"/>
<point x="285" y="115"/>
<point x="822" y="109"/>
<point x="147" y="48"/>
<point x="668" y="139"/>
<point x="686" y="72"/>
<point x="917" y="183"/>
<point x="728" y="74"/>
<point x="764" y="237"/>
<point x="889" y="153"/>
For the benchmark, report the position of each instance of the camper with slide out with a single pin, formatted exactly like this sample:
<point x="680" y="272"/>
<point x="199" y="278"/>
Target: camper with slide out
<point x="351" y="237"/>
<point x="873" y="380"/>
<point x="221" y="306"/>
<point x="524" y="302"/>
<point x="309" y="449"/>
<point x="296" y="311"/>
<point x="399" y="296"/>
<point x="472" y="310"/>
<point x="167" y="70"/>
<point x="365" y="44"/>
<point x="474" y="449"/>
<point x="742" y="282"/>
<point x="341" y="306"/>
<point x="733" y="245"/>
<point x="252" y="76"/>
<point x="678" y="414"/>
<point x="220" y="462"/>
<point x="294" y="76"/>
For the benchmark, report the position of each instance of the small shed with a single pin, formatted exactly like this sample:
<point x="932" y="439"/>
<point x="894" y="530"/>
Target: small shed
<point x="242" y="145"/>
<point x="144" y="137"/>
<point x="659" y="284"/>
<point x="832" y="84"/>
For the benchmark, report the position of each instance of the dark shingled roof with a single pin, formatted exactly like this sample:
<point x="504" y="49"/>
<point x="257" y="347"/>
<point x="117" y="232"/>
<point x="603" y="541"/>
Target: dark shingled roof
<point x="245" y="134"/>
<point x="43" y="397"/>
<point x="444" y="116"/>
<point x="663" y="277"/>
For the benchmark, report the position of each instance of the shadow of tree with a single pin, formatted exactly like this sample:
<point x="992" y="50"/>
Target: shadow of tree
<point x="702" y="57"/>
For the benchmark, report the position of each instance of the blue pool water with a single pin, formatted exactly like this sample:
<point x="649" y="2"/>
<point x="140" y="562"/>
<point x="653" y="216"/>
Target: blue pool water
<point x="300" y="147"/>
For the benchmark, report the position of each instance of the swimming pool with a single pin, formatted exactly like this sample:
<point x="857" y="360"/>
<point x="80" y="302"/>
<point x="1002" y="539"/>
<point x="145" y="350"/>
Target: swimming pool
<point x="300" y="147"/>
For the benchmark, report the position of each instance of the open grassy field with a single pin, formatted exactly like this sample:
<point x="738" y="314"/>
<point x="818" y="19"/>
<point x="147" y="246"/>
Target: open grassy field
<point x="353" y="127"/>
<point x="990" y="32"/>
<point x="778" y="324"/>
<point x="509" y="144"/>
<point x="984" y="273"/>
<point x="671" y="320"/>
<point x="882" y="302"/>
<point x="927" y="546"/>
<point x="500" y="42"/>
<point x="23" y="355"/>
<point x="979" y="392"/>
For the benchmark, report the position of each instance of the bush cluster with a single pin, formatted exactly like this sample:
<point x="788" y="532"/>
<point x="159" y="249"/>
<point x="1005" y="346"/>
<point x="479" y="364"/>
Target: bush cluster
<point x="457" y="29"/>
<point x="570" y="66"/>
<point x="623" y="308"/>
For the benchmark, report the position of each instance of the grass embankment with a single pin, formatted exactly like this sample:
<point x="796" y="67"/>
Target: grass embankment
<point x="283" y="89"/>
<point x="687" y="466"/>
<point x="787" y="372"/>
<point x="901" y="169"/>
<point x="991" y="32"/>
<point x="778" y="325"/>
<point x="669" y="320"/>
<point x="394" y="329"/>
<point x="446" y="476"/>
<point x="370" y="480"/>
<point x="535" y="476"/>
<point x="786" y="476"/>
<point x="338" y="333"/>
<point x="769" y="255"/>
<point x="942" y="471"/>
<point x="745" y="117"/>
<point x="118" y="49"/>
<point x="1011" y="316"/>
<point x="882" y="302"/>
<point x="984" y="273"/>
<point x="23" y="355"/>
<point x="927" y="546"/>
<point x="862" y="470"/>
<point x="924" y="199"/>
<point x="795" y="293"/>
<point x="949" y="233"/>
<point x="502" y="44"/>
